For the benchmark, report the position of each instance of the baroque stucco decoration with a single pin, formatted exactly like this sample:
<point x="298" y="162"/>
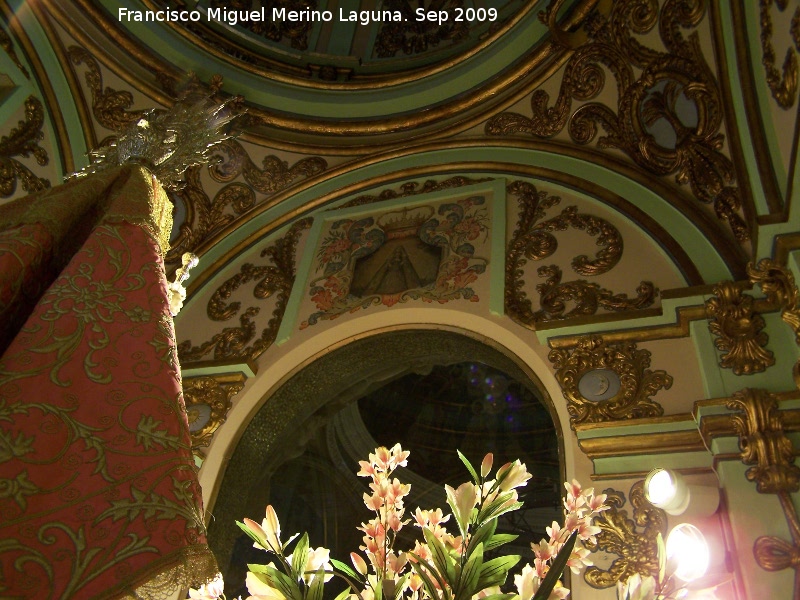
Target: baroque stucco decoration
<point x="665" y="82"/>
<point x="413" y="188"/>
<point x="636" y="549"/>
<point x="777" y="284"/>
<point x="23" y="141"/>
<point x="637" y="383"/>
<point x="738" y="330"/>
<point x="208" y="400"/>
<point x="533" y="239"/>
<point x="206" y="217"/>
<point x="764" y="445"/>
<point x="273" y="279"/>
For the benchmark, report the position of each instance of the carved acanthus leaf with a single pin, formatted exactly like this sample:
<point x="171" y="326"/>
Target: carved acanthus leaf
<point x="738" y="330"/>
<point x="666" y="83"/>
<point x="637" y="383"/>
<point x="636" y="548"/>
<point x="23" y="141"/>
<point x="276" y="278"/>
<point x="109" y="106"/>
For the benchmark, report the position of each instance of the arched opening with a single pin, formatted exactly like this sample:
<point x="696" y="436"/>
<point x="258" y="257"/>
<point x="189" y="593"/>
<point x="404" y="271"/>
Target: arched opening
<point x="433" y="391"/>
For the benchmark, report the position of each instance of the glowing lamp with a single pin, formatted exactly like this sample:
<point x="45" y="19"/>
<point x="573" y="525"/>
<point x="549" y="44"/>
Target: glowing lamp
<point x="668" y="490"/>
<point x="688" y="549"/>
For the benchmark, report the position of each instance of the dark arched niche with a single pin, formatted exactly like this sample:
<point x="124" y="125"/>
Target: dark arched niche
<point x="318" y="406"/>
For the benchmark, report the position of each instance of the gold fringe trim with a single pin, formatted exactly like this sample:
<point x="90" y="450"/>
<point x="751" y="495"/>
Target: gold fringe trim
<point x="190" y="567"/>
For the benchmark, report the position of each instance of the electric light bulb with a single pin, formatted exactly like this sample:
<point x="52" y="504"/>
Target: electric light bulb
<point x="687" y="545"/>
<point x="660" y="487"/>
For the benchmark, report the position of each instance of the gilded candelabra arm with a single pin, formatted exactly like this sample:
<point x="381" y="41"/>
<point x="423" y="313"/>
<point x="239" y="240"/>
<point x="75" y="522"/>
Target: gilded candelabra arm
<point x="175" y="289"/>
<point x="765" y="446"/>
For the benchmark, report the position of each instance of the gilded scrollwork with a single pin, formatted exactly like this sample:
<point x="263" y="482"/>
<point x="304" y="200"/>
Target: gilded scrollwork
<point x="533" y="239"/>
<point x="670" y="87"/>
<point x="413" y="37"/>
<point x="204" y="216"/>
<point x="273" y="176"/>
<point x="208" y="400"/>
<point x="413" y="188"/>
<point x="778" y="285"/>
<point x="782" y="84"/>
<point x="632" y="540"/>
<point x="637" y="383"/>
<point x="109" y="106"/>
<point x="555" y="296"/>
<point x="764" y="444"/>
<point x="23" y="141"/>
<point x="738" y="330"/>
<point x="274" y="279"/>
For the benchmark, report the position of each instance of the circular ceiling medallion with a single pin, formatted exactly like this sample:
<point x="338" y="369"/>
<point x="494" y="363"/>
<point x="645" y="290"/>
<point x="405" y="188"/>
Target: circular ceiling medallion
<point x="599" y="384"/>
<point x="199" y="415"/>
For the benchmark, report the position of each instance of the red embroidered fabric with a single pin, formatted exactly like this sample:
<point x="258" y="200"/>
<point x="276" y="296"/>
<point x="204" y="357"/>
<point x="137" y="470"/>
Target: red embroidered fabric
<point x="98" y="493"/>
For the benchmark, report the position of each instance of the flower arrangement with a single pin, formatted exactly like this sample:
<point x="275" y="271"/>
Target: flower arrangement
<point x="444" y="564"/>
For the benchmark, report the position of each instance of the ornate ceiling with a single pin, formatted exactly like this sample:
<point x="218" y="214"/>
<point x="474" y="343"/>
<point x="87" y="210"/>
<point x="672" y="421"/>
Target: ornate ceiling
<point x="578" y="185"/>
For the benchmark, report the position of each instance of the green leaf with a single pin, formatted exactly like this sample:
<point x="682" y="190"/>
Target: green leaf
<point x="470" y="468"/>
<point x="498" y="540"/>
<point x="443" y="561"/>
<point x="283" y="584"/>
<point x="426" y="580"/>
<point x="346" y="569"/>
<point x="401" y="583"/>
<point x="495" y="504"/>
<point x="556" y="569"/>
<point x="344" y="594"/>
<point x="481" y="535"/>
<point x="496" y="508"/>
<point x="377" y="591"/>
<point x="500" y="596"/>
<point x="470" y="575"/>
<point x="495" y="571"/>
<point x="258" y="568"/>
<point x="287" y="542"/>
<point x="300" y="557"/>
<point x="315" y="589"/>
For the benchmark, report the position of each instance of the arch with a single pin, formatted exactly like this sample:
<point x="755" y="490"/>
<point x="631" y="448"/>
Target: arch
<point x="313" y="389"/>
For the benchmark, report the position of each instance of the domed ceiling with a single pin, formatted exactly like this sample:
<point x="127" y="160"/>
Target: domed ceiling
<point x="597" y="176"/>
<point x="326" y="82"/>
